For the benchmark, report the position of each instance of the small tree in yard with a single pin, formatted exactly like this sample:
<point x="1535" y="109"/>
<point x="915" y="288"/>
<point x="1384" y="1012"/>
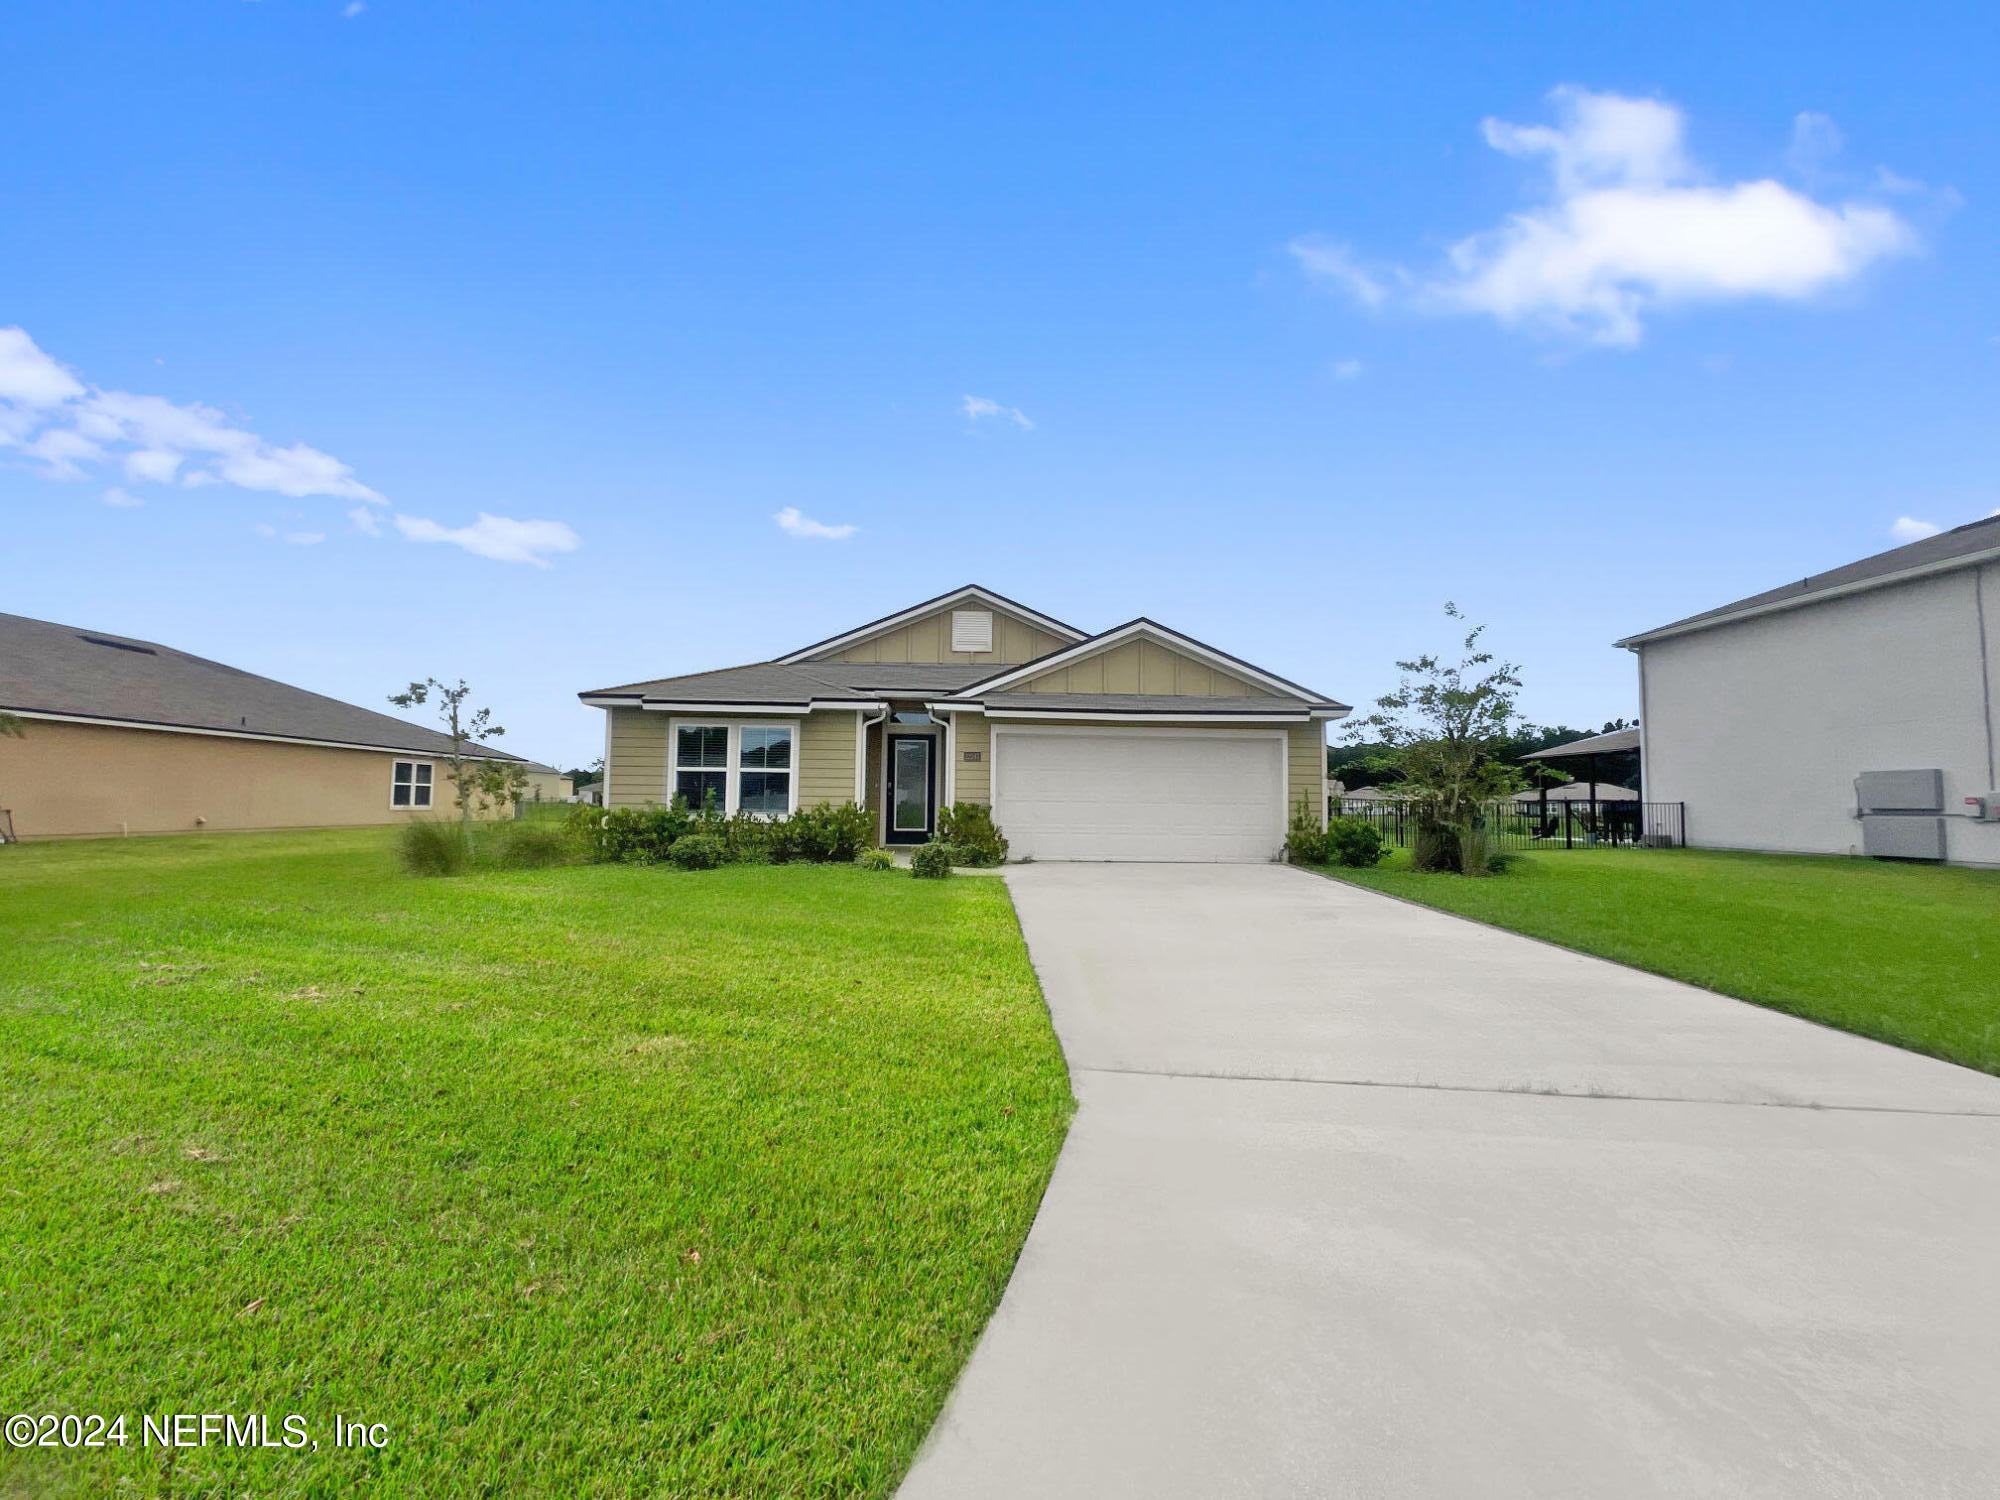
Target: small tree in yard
<point x="1445" y="729"/>
<point x="473" y="776"/>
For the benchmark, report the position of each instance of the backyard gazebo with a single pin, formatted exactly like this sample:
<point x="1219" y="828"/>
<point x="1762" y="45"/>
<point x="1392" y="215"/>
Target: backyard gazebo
<point x="1596" y="759"/>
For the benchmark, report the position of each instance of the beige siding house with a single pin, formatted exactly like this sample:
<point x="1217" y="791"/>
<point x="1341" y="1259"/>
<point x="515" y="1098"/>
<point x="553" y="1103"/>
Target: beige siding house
<point x="1138" y="743"/>
<point x="122" y="736"/>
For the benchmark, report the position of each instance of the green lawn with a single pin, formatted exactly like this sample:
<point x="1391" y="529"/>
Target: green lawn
<point x="1908" y="954"/>
<point x="592" y="1181"/>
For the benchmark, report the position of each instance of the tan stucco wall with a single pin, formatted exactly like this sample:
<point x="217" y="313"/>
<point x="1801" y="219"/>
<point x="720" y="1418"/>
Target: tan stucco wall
<point x="929" y="640"/>
<point x="90" y="780"/>
<point x="1141" y="667"/>
<point x="826" y="758"/>
<point x="547" y="787"/>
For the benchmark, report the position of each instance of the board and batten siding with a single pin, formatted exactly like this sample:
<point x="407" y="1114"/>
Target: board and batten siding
<point x="1141" y="667"/>
<point x="635" y="758"/>
<point x="826" y="758"/>
<point x="929" y="640"/>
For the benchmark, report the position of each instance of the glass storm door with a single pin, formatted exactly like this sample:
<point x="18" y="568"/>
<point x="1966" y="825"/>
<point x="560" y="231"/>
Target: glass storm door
<point x="912" y="786"/>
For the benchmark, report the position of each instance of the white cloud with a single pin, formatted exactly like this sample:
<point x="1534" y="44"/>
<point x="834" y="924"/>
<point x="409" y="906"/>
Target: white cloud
<point x="365" y="520"/>
<point x="1334" y="263"/>
<point x="121" y="499"/>
<point x="1346" y="369"/>
<point x="1909" y="529"/>
<point x="293" y="538"/>
<point x="56" y="419"/>
<point x="29" y="377"/>
<point x="354" y="8"/>
<point x="1630" y="226"/>
<point x="1816" y="141"/>
<point x="790" y="520"/>
<point x="497" y="537"/>
<point x="978" y="408"/>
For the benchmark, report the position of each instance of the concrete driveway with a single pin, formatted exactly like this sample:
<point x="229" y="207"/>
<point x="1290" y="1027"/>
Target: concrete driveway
<point x="1366" y="1200"/>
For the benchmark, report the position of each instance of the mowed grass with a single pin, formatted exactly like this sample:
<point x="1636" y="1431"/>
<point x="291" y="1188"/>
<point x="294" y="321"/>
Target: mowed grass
<point x="1908" y="954"/>
<point x="589" y="1181"/>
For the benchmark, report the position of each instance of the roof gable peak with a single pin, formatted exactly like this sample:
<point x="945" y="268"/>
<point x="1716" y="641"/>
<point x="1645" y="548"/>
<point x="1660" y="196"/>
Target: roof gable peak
<point x="970" y="592"/>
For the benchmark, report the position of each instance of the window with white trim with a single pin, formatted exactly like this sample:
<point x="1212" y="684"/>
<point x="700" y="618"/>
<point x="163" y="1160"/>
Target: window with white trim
<point x="764" y="770"/>
<point x="735" y="767"/>
<point x="410" y="785"/>
<point x="701" y="765"/>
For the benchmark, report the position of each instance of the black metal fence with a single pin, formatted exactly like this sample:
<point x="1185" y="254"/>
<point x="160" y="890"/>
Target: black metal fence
<point x="1558" y="824"/>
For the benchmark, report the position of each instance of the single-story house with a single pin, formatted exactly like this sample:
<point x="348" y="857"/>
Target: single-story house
<point x="128" y="736"/>
<point x="590" y="793"/>
<point x="1136" y="743"/>
<point x="1847" y="713"/>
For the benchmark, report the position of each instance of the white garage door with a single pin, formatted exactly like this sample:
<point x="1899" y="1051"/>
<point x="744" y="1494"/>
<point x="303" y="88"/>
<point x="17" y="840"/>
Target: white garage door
<point x="1145" y="794"/>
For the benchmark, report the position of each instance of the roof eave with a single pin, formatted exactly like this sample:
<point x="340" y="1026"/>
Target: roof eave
<point x="1696" y="623"/>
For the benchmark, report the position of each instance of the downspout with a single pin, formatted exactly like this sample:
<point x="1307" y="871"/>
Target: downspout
<point x="861" y="768"/>
<point x="1985" y="671"/>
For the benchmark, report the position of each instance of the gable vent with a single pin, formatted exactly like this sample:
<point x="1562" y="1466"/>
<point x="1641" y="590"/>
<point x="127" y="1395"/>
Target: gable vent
<point x="98" y="640"/>
<point x="972" y="630"/>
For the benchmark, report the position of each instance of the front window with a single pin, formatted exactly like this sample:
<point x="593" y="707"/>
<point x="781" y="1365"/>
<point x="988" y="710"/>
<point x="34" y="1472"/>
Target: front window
<point x="735" y="768"/>
<point x="765" y="762"/>
<point x="701" y="766"/>
<point x="411" y="786"/>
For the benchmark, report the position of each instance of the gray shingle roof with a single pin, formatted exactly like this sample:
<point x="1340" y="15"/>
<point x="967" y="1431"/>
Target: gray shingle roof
<point x="1596" y="744"/>
<point x="1146" y="703"/>
<point x="801" y="682"/>
<point x="87" y="674"/>
<point x="1960" y="542"/>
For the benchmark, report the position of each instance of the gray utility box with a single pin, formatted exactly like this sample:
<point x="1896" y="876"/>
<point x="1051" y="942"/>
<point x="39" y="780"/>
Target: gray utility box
<point x="1899" y="792"/>
<point x="1902" y="836"/>
<point x="1899" y="814"/>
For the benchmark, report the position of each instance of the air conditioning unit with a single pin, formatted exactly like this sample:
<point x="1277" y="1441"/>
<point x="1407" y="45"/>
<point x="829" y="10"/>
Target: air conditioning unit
<point x="1901" y="813"/>
<point x="1887" y="836"/>
<point x="1899" y="792"/>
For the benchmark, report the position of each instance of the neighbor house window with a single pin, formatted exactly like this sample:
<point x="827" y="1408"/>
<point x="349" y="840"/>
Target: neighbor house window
<point x="701" y="765"/>
<point x="412" y="784"/>
<point x="765" y="769"/>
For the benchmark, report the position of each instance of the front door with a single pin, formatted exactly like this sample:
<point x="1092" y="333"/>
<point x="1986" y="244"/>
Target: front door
<point x="912" y="788"/>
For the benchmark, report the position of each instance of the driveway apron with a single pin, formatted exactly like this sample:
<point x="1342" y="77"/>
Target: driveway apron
<point x="1366" y="1200"/>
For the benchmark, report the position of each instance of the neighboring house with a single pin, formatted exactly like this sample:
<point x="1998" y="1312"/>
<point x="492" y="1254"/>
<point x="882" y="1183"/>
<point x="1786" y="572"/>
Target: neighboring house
<point x="1848" y="713"/>
<point x="1136" y="744"/>
<point x="591" y="792"/>
<point x="126" y="736"/>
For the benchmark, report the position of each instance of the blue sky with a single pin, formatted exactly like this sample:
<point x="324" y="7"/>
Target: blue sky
<point x="1280" y="324"/>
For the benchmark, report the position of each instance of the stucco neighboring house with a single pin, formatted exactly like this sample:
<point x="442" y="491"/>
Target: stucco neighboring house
<point x="129" y="736"/>
<point x="589" y="792"/>
<point x="1847" y="713"/>
<point x="1138" y="743"/>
